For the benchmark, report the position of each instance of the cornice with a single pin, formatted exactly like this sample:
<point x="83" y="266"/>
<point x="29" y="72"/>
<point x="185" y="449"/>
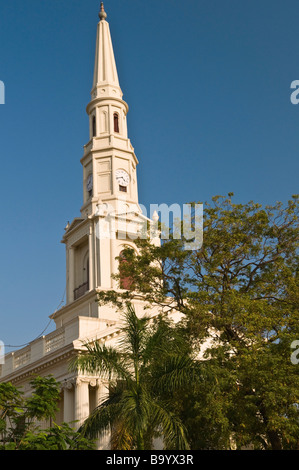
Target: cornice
<point x="87" y="296"/>
<point x="108" y="148"/>
<point x="77" y="229"/>
<point x="109" y="99"/>
<point x="37" y="367"/>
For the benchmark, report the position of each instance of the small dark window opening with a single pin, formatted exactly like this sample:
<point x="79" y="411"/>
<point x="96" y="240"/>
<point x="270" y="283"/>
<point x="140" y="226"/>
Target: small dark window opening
<point x="123" y="189"/>
<point x="94" y="130"/>
<point x="116" y="122"/>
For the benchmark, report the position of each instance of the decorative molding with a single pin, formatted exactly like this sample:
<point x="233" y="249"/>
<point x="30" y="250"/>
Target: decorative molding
<point x="54" y="341"/>
<point x="22" y="358"/>
<point x="36" y="369"/>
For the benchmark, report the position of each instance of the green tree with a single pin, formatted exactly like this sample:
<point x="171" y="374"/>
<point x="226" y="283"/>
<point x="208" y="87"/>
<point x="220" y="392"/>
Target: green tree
<point x="19" y="416"/>
<point x="240" y="290"/>
<point x="149" y="358"/>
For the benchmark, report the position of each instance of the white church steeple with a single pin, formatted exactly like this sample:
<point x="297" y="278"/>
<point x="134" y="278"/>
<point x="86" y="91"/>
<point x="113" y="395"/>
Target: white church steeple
<point x="105" y="71"/>
<point x="109" y="162"/>
<point x="109" y="181"/>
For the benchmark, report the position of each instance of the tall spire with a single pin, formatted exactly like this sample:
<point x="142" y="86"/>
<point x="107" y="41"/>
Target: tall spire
<point x="107" y="176"/>
<point x="105" y="80"/>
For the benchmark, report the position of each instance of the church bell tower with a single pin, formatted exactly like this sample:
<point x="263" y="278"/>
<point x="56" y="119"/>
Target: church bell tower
<point x="110" y="197"/>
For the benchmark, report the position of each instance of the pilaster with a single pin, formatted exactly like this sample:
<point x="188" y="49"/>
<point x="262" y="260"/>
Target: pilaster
<point x="68" y="402"/>
<point x="81" y="410"/>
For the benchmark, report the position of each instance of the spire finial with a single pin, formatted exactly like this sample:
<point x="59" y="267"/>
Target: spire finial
<point x="102" y="14"/>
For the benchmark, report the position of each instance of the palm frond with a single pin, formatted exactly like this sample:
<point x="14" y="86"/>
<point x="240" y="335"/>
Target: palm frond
<point x="147" y="362"/>
<point x="105" y="414"/>
<point x="101" y="360"/>
<point x="172" y="429"/>
<point x="175" y="372"/>
<point x="163" y="339"/>
<point x="134" y="332"/>
<point x="121" y="438"/>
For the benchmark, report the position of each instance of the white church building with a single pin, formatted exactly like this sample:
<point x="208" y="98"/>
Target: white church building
<point x="110" y="218"/>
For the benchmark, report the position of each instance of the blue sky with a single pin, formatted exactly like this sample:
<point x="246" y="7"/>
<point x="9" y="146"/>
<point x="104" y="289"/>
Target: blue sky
<point x="208" y="87"/>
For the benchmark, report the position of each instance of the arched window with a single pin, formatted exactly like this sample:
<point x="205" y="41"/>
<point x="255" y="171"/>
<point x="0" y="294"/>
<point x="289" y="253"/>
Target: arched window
<point x="116" y="122"/>
<point x="125" y="281"/>
<point x="94" y="127"/>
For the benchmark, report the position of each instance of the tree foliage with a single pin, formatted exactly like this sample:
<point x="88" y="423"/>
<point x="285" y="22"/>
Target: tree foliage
<point x="19" y="418"/>
<point x="240" y="291"/>
<point x="149" y="358"/>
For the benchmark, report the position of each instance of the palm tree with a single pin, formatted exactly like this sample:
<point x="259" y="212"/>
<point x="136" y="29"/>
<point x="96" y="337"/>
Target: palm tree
<point x="149" y="359"/>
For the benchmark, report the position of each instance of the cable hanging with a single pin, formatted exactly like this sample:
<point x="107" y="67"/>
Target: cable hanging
<point x="45" y="329"/>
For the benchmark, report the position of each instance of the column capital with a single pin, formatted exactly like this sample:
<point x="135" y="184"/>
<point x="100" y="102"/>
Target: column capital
<point x="68" y="384"/>
<point x="81" y="381"/>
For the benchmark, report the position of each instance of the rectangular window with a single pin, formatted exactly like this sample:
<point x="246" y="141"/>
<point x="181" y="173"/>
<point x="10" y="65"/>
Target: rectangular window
<point x="123" y="188"/>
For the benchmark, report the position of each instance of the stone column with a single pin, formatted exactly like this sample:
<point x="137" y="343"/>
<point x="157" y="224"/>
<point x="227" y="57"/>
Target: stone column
<point x="113" y="261"/>
<point x="102" y="392"/>
<point x="81" y="401"/>
<point x="71" y="273"/>
<point x="91" y="257"/>
<point x="68" y="402"/>
<point x="104" y="253"/>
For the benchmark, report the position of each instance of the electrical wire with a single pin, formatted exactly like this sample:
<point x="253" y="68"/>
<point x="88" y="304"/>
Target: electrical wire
<point x="44" y="330"/>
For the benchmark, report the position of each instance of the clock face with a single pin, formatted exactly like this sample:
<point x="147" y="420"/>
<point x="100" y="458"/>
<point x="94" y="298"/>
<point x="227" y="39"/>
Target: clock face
<point x="122" y="177"/>
<point x="89" y="183"/>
